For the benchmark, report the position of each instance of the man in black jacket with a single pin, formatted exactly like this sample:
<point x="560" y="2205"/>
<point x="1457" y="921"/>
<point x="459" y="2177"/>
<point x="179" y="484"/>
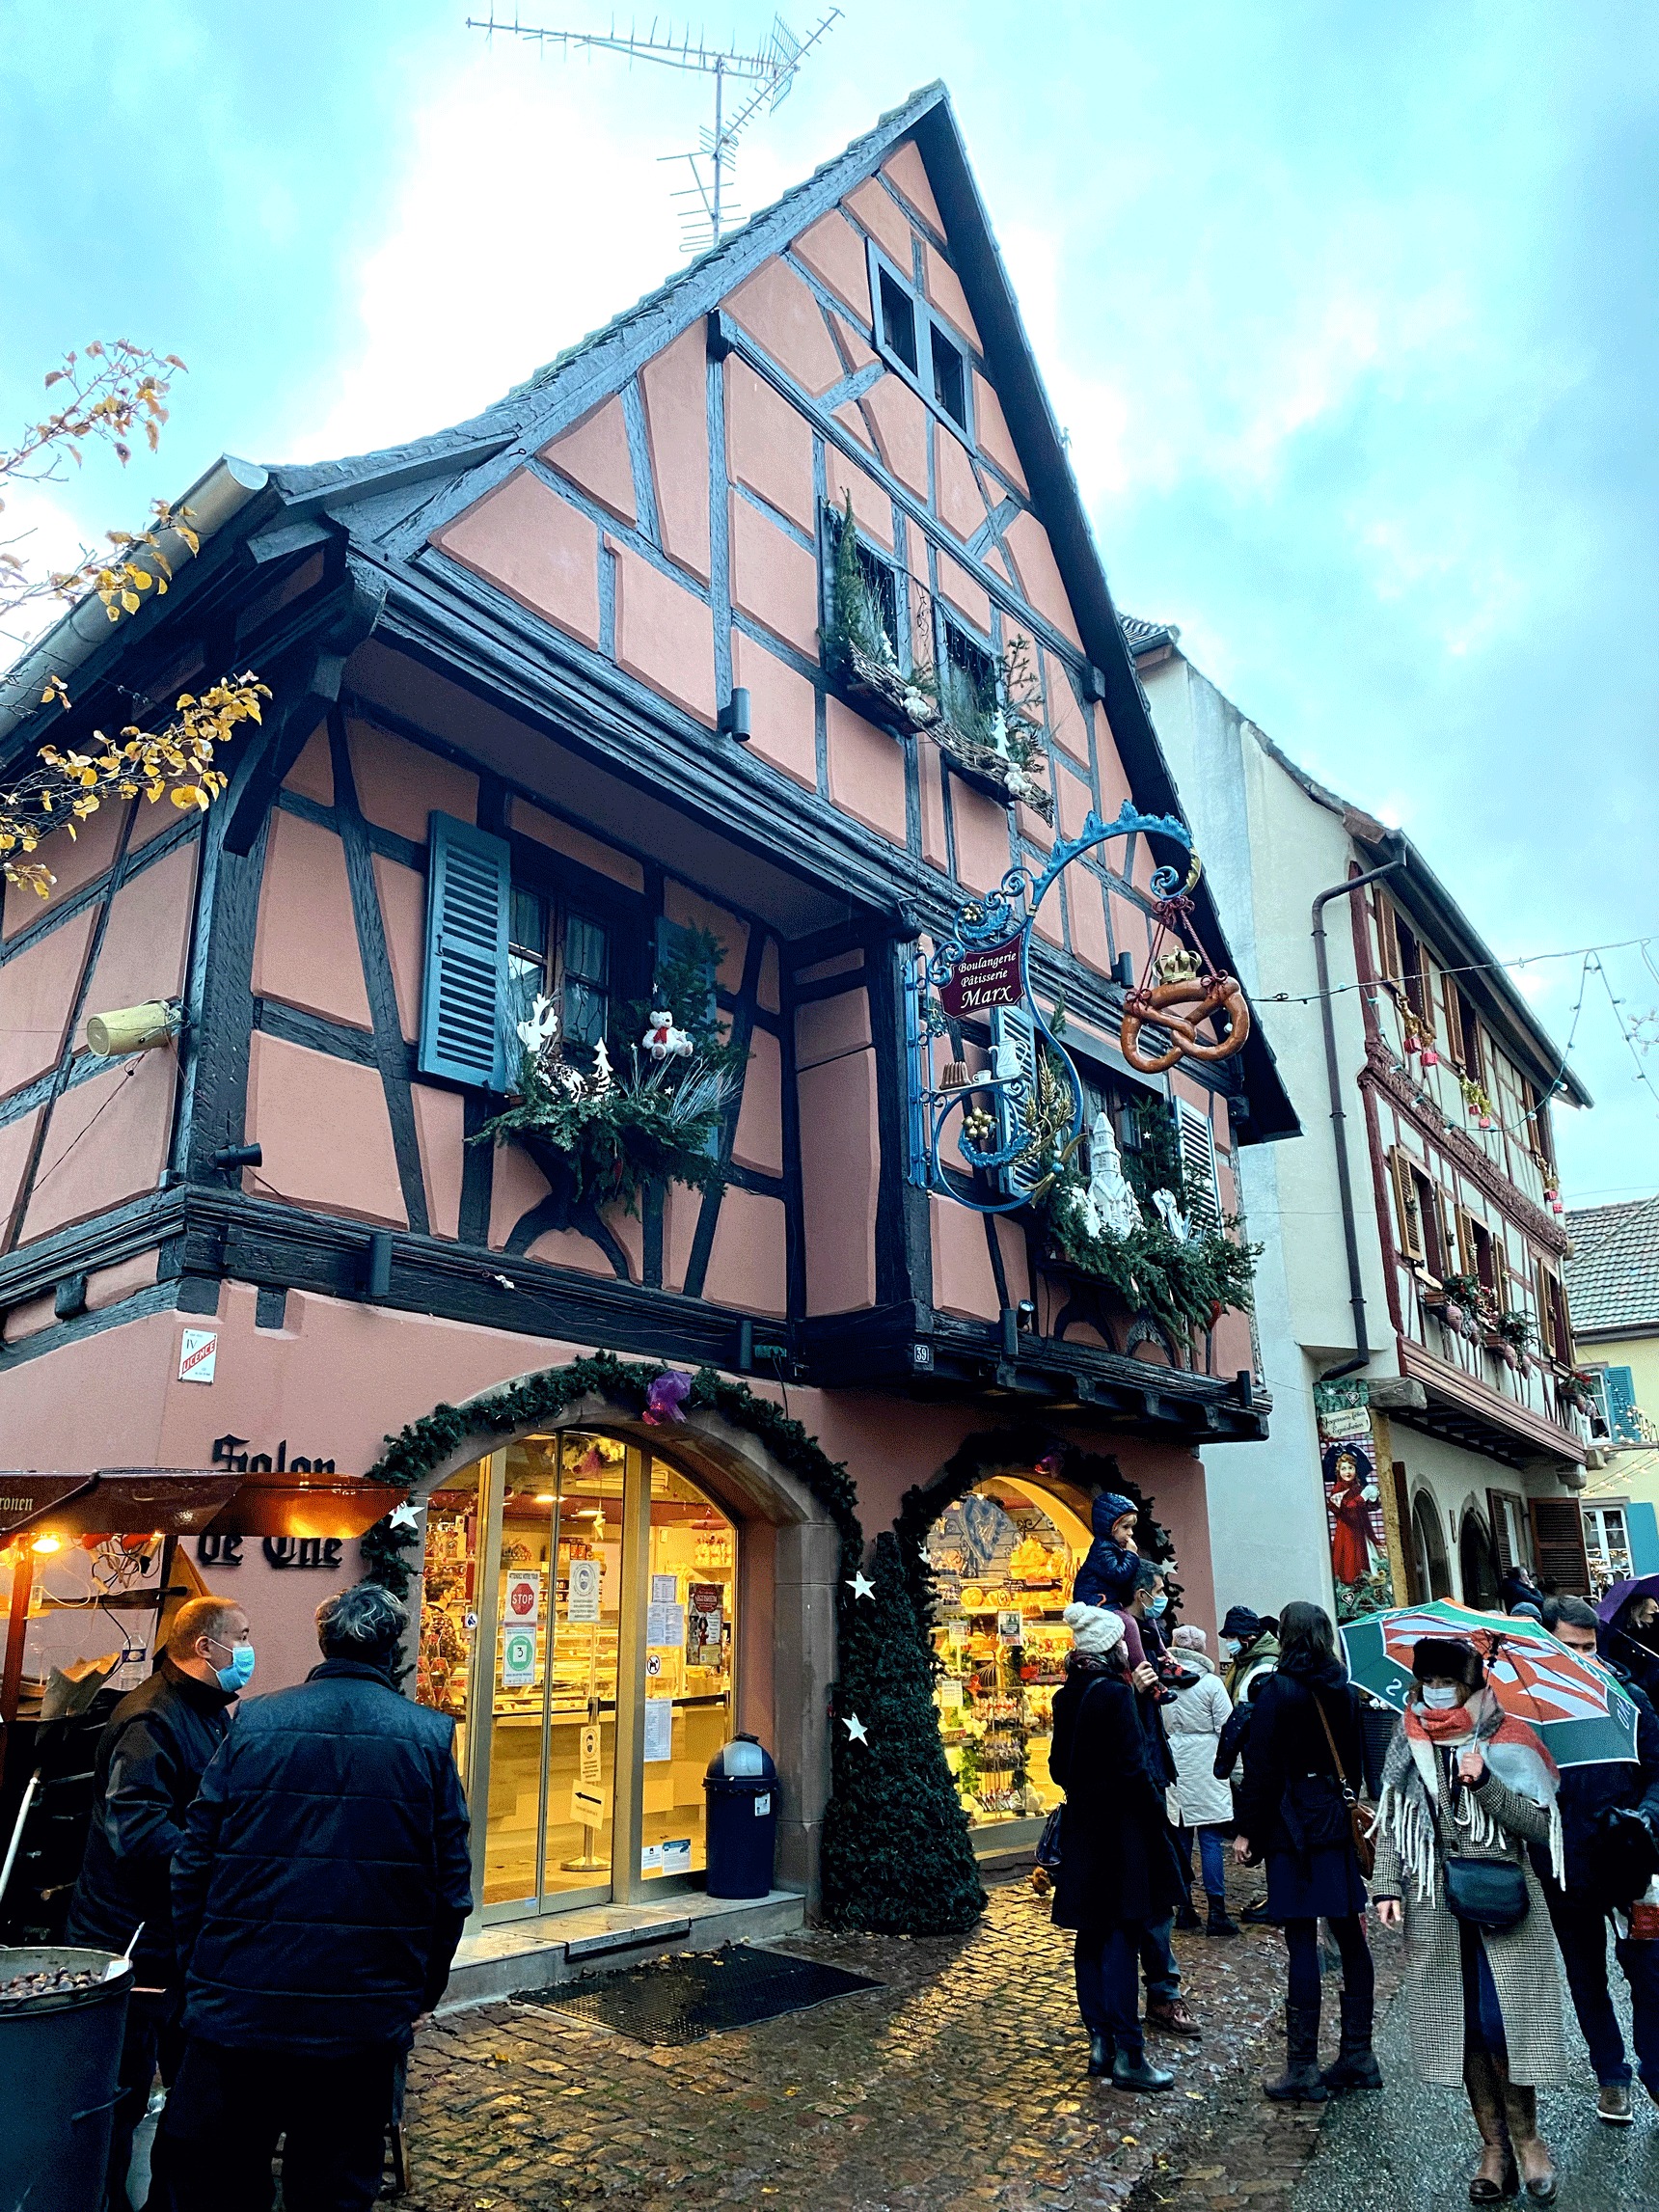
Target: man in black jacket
<point x="1588" y="1795"/>
<point x="318" y="1896"/>
<point x="151" y="1759"/>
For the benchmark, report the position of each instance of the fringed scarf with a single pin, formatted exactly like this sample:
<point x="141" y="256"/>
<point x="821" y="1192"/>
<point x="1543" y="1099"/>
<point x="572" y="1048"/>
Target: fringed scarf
<point x="1415" y="1783"/>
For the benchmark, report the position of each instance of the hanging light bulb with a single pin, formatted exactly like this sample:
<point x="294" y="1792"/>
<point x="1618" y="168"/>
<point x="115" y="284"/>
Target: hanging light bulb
<point x="47" y="1544"/>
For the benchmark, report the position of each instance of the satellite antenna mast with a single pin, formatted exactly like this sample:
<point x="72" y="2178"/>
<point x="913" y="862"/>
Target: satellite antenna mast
<point x="707" y="211"/>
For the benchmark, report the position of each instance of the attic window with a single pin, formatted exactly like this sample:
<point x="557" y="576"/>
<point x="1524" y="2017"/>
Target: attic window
<point x="949" y="377"/>
<point x="898" y="320"/>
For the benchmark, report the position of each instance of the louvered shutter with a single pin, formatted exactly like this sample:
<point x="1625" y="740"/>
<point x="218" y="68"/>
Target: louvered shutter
<point x="1406" y="1207"/>
<point x="1547" y="1339"/>
<point x="1558" y="1545"/>
<point x="461" y="1005"/>
<point x="1013" y="1032"/>
<point x="1197" y="1140"/>
<point x="1621" y="1417"/>
<point x="1498" y="1504"/>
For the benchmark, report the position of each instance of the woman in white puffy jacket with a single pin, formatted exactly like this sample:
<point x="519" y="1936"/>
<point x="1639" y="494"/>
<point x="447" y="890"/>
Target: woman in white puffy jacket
<point x="1194" y="1721"/>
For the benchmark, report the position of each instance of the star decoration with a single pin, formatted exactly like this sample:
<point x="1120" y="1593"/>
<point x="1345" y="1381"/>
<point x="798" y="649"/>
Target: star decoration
<point x="860" y="1586"/>
<point x="856" y="1732"/>
<point x="404" y="1516"/>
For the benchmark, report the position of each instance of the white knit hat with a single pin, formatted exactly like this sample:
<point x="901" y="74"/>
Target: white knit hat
<point x="1094" y="1629"/>
<point x="1187" y="1638"/>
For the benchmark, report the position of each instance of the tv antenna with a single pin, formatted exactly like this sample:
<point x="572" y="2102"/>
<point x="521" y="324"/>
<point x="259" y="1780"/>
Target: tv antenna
<point x="706" y="212"/>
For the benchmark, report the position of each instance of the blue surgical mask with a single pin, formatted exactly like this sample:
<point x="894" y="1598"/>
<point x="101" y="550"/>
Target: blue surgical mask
<point x="1230" y="1647"/>
<point x="1155" y="1605"/>
<point x="236" y="1676"/>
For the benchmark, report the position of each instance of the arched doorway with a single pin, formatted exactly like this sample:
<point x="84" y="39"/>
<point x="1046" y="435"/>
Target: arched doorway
<point x="1002" y="1558"/>
<point x="1478" y="1564"/>
<point x="1432" y="1575"/>
<point x="578" y="1618"/>
<point x="586" y="1716"/>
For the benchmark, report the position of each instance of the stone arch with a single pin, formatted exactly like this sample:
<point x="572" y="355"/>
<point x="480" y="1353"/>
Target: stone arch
<point x="795" y="1506"/>
<point x="1074" y="1476"/>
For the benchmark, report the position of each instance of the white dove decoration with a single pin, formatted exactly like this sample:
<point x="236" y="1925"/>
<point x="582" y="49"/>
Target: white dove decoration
<point x="1170" y="1215"/>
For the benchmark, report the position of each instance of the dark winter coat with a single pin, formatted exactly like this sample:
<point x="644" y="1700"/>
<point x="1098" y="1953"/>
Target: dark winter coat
<point x="151" y="1759"/>
<point x="1628" y="1654"/>
<point x="1590" y="1792"/>
<point x="320" y="1888"/>
<point x="1117" y="1855"/>
<point x="1107" y="1574"/>
<point x="1235" y="1734"/>
<point x="1290" y="1799"/>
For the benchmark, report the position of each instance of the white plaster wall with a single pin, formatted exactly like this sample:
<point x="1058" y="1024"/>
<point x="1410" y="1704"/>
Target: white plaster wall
<point x="1268" y="848"/>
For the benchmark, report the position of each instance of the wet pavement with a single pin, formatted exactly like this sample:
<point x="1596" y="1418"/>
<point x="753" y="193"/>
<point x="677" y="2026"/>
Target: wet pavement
<point x="1414" y="2145"/>
<point x="962" y="2082"/>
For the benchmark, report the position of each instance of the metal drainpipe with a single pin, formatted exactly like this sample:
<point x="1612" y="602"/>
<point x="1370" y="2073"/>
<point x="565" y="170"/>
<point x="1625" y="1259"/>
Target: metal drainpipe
<point x="1339" y="1119"/>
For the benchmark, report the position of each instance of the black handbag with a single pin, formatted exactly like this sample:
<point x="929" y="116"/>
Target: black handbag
<point x="1489" y="1893"/>
<point x="1049" y="1843"/>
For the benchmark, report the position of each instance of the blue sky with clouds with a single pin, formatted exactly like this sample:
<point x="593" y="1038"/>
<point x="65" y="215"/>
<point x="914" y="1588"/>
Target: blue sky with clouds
<point x="1350" y="312"/>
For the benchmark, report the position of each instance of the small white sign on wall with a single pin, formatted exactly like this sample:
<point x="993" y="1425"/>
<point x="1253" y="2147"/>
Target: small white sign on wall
<point x="197" y="1354"/>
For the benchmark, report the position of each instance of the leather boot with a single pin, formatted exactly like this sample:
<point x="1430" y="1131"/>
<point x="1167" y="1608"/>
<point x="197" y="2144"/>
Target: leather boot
<point x="1301" y="2082"/>
<point x="1487" y="2102"/>
<point x="1537" y="2168"/>
<point x="1102" y="2052"/>
<point x="1356" y="2066"/>
<point x="1221" y="1920"/>
<point x="1186" y="1918"/>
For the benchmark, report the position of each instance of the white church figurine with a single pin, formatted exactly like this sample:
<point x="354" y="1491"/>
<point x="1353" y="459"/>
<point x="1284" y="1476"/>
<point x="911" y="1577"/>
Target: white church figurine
<point x="1111" y="1199"/>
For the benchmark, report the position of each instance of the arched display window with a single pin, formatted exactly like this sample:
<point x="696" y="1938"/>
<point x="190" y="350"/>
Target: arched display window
<point x="578" y="1613"/>
<point x="1432" y="1573"/>
<point x="1003" y="1558"/>
<point x="1479" y="1564"/>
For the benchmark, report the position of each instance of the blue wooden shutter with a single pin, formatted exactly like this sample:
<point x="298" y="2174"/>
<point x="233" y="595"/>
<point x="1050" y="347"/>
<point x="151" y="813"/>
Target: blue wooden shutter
<point x="461" y="1008"/>
<point x="1621" y="1416"/>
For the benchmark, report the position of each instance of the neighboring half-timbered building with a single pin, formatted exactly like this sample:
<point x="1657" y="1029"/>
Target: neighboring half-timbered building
<point x="603" y="697"/>
<point x="1429" y="1414"/>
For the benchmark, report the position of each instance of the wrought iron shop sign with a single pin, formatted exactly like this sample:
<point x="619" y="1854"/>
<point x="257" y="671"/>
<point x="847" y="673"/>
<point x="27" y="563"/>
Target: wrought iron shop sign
<point x="1024" y="1114"/>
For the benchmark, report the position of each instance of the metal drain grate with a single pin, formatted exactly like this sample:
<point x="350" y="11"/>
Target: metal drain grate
<point x="681" y="1999"/>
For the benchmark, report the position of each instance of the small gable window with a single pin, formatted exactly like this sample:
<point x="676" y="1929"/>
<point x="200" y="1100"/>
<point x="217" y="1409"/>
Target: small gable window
<point x="949" y="377"/>
<point x="923" y="349"/>
<point x="898" y="320"/>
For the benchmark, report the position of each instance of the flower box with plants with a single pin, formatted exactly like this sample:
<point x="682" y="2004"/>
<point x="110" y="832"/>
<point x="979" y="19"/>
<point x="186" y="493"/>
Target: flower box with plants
<point x="985" y="717"/>
<point x="1513" y="1336"/>
<point x="1126" y="1230"/>
<point x="603" y="1132"/>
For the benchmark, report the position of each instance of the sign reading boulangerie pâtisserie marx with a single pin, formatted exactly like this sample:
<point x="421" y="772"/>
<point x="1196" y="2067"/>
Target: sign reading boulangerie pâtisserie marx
<point x="986" y="977"/>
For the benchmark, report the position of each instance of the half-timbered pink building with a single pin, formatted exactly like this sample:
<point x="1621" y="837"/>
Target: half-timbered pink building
<point x="556" y="708"/>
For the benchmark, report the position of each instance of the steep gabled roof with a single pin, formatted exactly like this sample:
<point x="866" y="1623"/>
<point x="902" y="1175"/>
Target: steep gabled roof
<point x="1613" y="1278"/>
<point x="391" y="500"/>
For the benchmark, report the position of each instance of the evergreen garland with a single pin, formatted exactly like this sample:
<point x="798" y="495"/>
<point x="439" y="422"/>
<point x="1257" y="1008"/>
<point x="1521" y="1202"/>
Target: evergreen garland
<point x="1183" y="1286"/>
<point x="897" y="1856"/>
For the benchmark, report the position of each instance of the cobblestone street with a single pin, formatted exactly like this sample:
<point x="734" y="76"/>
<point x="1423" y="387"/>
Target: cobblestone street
<point x="960" y="2083"/>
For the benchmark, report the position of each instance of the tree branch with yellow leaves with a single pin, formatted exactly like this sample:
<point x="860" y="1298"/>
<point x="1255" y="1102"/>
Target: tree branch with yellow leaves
<point x="112" y="393"/>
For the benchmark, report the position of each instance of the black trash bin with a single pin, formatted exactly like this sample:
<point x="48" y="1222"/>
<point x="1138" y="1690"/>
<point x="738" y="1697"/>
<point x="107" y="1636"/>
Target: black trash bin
<point x="741" y="1787"/>
<point x="59" y="2058"/>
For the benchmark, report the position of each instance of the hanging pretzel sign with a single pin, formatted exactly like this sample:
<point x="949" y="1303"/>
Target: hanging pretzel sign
<point x="1179" y="993"/>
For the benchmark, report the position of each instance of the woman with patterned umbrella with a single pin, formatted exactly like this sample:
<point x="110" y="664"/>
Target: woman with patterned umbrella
<point x="1577" y="1708"/>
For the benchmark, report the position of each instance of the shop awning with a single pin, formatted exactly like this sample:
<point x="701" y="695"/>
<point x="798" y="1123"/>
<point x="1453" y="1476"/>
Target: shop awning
<point x="188" y="1501"/>
<point x="288" y="1505"/>
<point x="114" y="1501"/>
